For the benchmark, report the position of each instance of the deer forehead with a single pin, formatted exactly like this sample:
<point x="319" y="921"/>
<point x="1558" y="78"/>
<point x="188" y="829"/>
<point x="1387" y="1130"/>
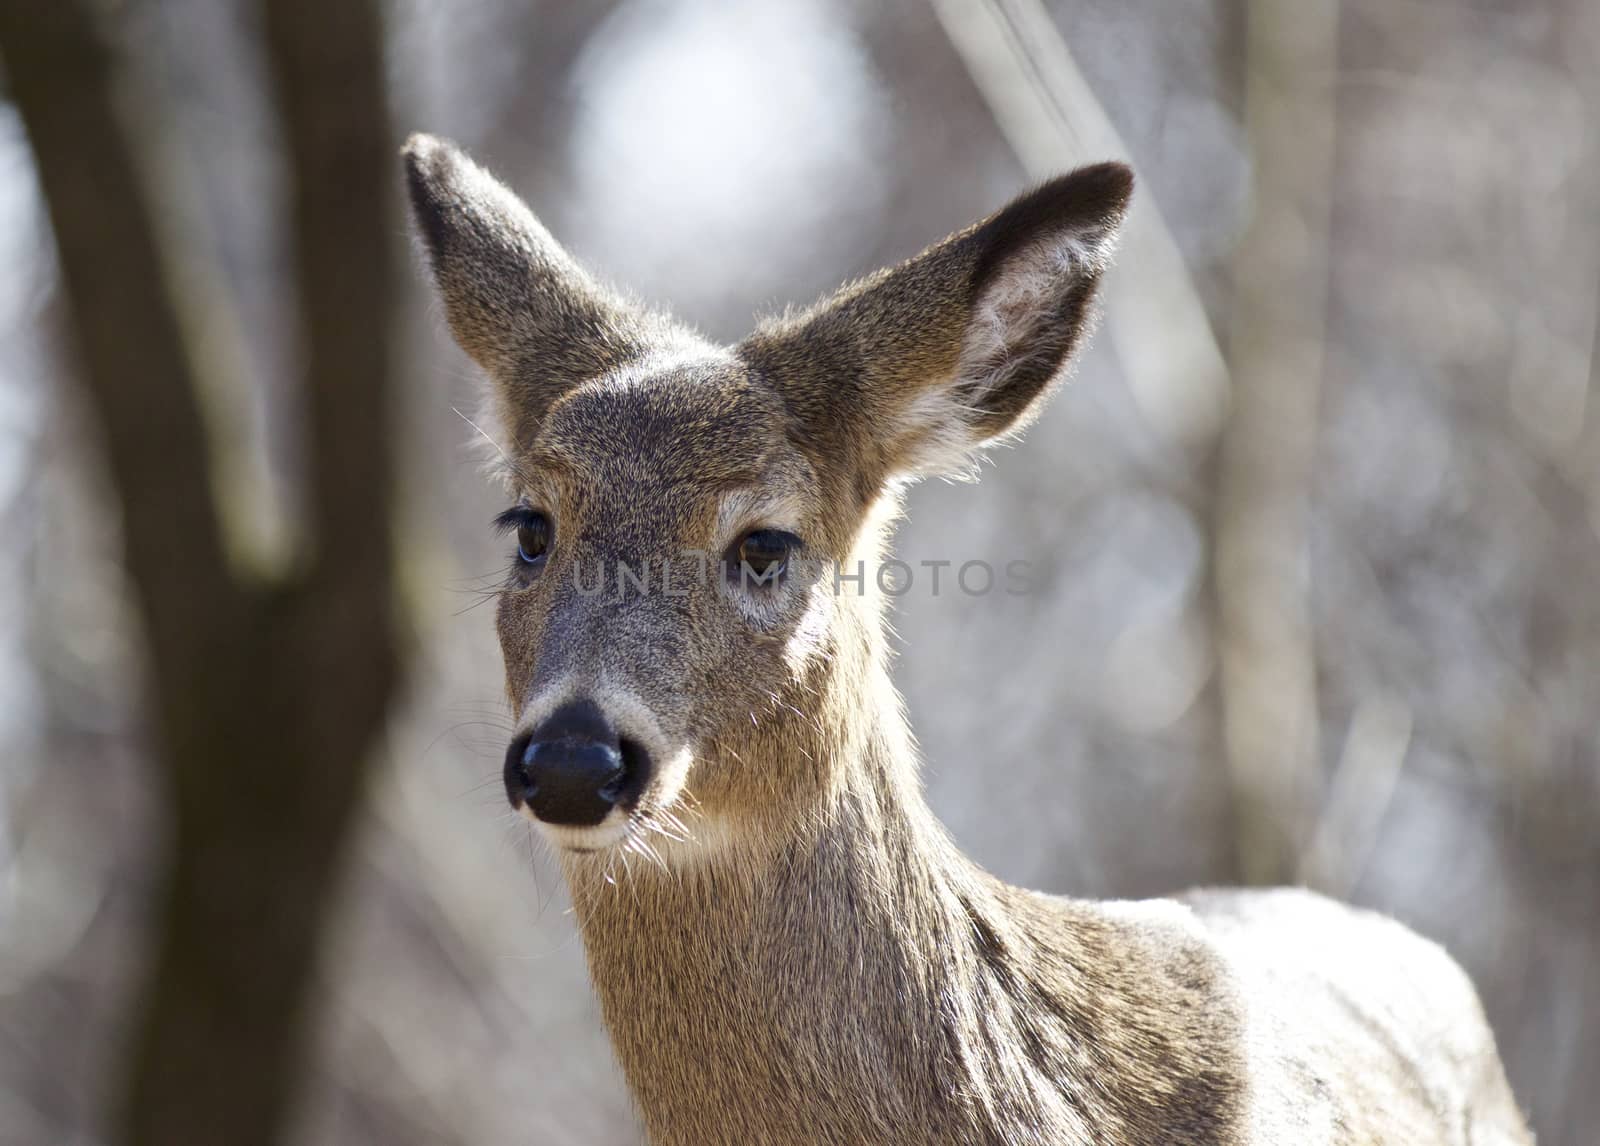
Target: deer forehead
<point x="669" y="442"/>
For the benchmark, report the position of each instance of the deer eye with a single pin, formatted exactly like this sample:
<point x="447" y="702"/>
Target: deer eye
<point x="533" y="532"/>
<point x="762" y="555"/>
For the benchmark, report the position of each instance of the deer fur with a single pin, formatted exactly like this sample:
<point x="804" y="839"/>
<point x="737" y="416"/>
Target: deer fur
<point x="786" y="945"/>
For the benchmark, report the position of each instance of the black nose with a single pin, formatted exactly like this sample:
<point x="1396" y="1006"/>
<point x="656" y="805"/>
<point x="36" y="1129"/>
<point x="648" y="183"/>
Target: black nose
<point x="572" y="769"/>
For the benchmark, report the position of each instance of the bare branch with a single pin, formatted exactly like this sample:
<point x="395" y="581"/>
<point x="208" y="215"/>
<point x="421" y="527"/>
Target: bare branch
<point x="1052" y="120"/>
<point x="327" y="65"/>
<point x="136" y="364"/>
<point x="1177" y="372"/>
<point x="1363" y="787"/>
<point x="327" y="61"/>
<point x="1269" y="694"/>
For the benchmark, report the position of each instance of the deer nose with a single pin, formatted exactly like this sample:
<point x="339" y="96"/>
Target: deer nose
<point x="570" y="770"/>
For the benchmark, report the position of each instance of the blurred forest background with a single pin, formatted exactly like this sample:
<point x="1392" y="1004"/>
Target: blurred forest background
<point x="1316" y="528"/>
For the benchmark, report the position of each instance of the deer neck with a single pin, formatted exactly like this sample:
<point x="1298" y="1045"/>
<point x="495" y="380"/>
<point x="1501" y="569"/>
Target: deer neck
<point x="854" y="973"/>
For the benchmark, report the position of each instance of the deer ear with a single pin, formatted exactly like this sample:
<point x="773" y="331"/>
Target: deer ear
<point x="517" y="303"/>
<point x="915" y="368"/>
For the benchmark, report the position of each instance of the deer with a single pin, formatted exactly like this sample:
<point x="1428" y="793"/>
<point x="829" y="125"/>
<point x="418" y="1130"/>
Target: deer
<point x="797" y="952"/>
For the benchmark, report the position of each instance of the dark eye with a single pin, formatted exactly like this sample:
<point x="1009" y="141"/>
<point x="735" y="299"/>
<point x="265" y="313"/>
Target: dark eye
<point x="533" y="539"/>
<point x="533" y="532"/>
<point x="762" y="555"/>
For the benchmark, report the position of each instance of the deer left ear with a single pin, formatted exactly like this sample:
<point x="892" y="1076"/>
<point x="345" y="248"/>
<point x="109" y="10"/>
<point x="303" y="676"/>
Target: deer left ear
<point x="915" y="368"/>
<point x="523" y="309"/>
<point x="1039" y="264"/>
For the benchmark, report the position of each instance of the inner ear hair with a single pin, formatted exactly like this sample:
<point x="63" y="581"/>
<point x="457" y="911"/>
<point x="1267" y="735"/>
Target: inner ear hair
<point x="1033" y="285"/>
<point x="911" y="370"/>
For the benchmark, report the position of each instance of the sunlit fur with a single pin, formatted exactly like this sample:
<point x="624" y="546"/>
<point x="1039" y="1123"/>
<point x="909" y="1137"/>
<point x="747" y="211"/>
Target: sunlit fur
<point x="786" y="945"/>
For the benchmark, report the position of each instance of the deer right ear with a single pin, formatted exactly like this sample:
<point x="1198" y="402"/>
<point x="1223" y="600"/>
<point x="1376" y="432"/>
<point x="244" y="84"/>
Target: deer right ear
<point x="517" y="302"/>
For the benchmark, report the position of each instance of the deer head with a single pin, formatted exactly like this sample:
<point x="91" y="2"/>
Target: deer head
<point x="680" y="508"/>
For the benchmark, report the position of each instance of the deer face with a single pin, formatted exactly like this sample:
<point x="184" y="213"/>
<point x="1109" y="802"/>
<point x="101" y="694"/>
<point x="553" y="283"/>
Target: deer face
<point x="659" y="594"/>
<point x="681" y="512"/>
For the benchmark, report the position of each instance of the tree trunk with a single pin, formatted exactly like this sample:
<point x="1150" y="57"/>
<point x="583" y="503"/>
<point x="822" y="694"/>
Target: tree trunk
<point x="268" y="697"/>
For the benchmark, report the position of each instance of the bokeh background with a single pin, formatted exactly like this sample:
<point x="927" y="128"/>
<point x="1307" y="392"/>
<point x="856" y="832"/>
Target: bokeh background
<point x="1316" y="527"/>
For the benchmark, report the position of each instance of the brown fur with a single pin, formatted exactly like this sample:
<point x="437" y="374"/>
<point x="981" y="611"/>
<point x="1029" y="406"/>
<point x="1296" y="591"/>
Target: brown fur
<point x="786" y="946"/>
